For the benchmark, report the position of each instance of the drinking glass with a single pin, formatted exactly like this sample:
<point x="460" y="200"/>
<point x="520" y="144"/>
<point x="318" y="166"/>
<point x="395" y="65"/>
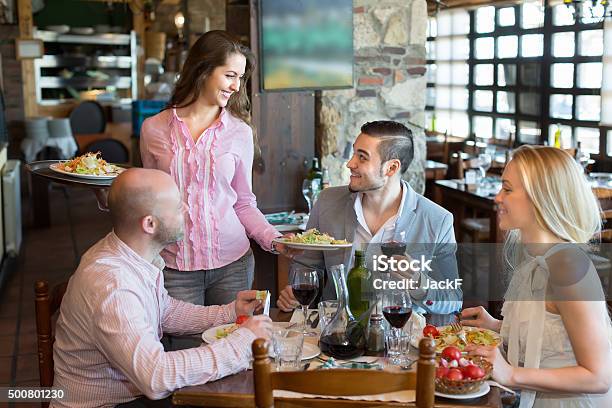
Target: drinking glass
<point x="397" y="309"/>
<point x="311" y="190"/>
<point x="305" y="286"/>
<point x="393" y="242"/>
<point x="484" y="164"/>
<point x="287" y="345"/>
<point x="583" y="159"/>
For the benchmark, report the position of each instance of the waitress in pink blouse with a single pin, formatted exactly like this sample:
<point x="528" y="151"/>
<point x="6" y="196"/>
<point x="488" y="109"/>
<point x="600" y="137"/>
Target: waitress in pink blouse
<point x="205" y="141"/>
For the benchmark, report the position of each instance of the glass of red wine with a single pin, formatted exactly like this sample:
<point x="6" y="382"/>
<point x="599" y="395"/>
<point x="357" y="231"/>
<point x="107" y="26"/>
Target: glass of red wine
<point x="305" y="286"/>
<point x="393" y="243"/>
<point x="397" y="309"/>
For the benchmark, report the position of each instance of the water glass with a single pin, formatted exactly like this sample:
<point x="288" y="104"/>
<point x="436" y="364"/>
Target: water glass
<point x="288" y="345"/>
<point x="327" y="310"/>
<point x="398" y="345"/>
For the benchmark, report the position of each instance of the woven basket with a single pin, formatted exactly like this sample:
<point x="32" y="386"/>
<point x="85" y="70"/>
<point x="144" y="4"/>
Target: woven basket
<point x="465" y="386"/>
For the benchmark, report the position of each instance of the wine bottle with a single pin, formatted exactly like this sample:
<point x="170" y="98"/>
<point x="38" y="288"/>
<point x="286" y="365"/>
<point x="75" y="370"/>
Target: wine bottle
<point x="315" y="171"/>
<point x="359" y="287"/>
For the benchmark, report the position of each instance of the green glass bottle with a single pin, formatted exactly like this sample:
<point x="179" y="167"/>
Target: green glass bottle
<point x="359" y="288"/>
<point x="315" y="171"/>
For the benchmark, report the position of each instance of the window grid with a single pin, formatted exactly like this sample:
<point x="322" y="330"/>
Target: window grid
<point x="527" y="93"/>
<point x="450" y="117"/>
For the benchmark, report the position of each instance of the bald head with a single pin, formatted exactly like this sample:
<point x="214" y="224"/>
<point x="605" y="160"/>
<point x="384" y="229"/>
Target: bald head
<point x="136" y="193"/>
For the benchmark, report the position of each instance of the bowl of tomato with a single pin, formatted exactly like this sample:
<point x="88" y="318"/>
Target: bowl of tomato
<point x="459" y="374"/>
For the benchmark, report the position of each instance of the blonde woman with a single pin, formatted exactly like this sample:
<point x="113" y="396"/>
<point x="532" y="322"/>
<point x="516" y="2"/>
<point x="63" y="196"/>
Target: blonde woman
<point x="555" y="321"/>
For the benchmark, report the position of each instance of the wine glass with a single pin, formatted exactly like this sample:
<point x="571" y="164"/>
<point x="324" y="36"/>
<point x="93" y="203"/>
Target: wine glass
<point x="484" y="163"/>
<point x="393" y="242"/>
<point x="305" y="286"/>
<point x="583" y="158"/>
<point x="311" y="189"/>
<point x="397" y="309"/>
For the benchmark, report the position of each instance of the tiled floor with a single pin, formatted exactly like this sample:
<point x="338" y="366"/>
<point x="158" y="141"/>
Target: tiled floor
<point x="49" y="254"/>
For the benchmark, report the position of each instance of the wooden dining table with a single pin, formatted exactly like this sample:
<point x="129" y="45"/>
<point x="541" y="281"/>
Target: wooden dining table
<point x="238" y="391"/>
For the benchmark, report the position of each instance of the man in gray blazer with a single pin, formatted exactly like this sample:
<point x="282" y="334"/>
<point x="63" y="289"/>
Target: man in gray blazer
<point x="377" y="204"/>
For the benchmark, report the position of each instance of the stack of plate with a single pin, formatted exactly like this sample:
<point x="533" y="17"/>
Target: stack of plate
<point x="82" y="30"/>
<point x="60" y="29"/>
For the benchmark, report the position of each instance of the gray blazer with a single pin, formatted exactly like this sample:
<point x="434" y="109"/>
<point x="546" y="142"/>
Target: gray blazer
<point x="429" y="232"/>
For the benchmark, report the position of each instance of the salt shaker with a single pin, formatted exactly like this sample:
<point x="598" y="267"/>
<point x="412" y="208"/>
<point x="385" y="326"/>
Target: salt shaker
<point x="376" y="334"/>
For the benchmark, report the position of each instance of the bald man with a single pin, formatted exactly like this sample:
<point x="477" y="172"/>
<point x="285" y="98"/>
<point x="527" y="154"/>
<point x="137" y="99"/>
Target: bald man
<point x="107" y="347"/>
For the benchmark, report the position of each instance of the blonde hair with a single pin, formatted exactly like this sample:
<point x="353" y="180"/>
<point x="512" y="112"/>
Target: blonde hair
<point x="563" y="200"/>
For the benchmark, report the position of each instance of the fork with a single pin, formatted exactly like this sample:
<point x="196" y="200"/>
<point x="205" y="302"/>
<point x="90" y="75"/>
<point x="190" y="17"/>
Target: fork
<point x="458" y="329"/>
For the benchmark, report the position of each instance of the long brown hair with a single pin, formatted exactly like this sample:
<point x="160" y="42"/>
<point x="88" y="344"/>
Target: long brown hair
<point x="210" y="51"/>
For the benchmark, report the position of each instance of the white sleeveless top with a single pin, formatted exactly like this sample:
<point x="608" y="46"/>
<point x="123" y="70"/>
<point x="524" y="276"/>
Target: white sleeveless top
<point x="537" y="338"/>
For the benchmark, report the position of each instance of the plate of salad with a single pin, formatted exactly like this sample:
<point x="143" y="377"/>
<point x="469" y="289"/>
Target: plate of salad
<point x="313" y="239"/>
<point x="88" y="166"/>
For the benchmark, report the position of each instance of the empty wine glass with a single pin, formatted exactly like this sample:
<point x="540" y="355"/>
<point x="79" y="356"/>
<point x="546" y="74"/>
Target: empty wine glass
<point x="583" y="158"/>
<point x="305" y="286"/>
<point x="311" y="189"/>
<point x="484" y="164"/>
<point x="397" y="309"/>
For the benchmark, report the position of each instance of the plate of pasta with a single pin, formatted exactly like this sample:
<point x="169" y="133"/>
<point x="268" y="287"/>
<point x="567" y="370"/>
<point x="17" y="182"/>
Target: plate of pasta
<point x="88" y="166"/>
<point x="314" y="239"/>
<point x="445" y="336"/>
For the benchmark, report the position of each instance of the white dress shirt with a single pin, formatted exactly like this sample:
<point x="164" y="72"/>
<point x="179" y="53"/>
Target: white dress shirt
<point x="107" y="347"/>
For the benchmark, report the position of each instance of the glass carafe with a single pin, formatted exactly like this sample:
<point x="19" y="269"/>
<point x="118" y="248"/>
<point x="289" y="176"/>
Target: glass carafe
<point x="344" y="337"/>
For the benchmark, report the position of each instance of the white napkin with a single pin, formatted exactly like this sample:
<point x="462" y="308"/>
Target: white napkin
<point x="418" y="324"/>
<point x="266" y="309"/>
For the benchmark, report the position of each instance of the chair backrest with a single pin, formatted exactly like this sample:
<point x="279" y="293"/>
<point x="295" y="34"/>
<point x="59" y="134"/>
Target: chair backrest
<point x="112" y="150"/>
<point x="47" y="304"/>
<point x="344" y="382"/>
<point x="604" y="196"/>
<point x="88" y="117"/>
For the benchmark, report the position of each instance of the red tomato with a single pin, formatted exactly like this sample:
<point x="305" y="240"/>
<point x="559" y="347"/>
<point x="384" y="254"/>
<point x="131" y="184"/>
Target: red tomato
<point x="241" y="319"/>
<point x="451" y="353"/>
<point x="473" y="371"/>
<point x="431" y="331"/>
<point x="441" y="372"/>
<point x="454" y="374"/>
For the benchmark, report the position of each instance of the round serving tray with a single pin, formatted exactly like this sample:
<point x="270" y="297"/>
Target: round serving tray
<point x="41" y="169"/>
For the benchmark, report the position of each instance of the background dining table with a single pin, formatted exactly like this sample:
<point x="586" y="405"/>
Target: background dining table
<point x="238" y="391"/>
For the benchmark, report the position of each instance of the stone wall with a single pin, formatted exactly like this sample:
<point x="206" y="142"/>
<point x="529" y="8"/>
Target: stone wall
<point x="389" y="44"/>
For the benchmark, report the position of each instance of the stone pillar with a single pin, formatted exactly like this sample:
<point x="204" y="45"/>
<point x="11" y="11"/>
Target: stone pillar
<point x="389" y="47"/>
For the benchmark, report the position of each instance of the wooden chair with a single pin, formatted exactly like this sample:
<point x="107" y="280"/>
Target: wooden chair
<point x="342" y="382"/>
<point x="47" y="304"/>
<point x="602" y="264"/>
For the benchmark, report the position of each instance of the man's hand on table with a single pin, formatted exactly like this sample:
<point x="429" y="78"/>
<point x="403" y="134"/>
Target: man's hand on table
<point x="260" y="325"/>
<point x="286" y="301"/>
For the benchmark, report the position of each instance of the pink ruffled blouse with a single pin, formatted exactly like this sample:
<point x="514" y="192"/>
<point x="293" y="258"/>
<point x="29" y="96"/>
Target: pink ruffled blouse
<point x="214" y="178"/>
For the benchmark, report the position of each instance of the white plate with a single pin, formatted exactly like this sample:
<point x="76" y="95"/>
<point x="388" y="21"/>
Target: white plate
<point x="309" y="351"/>
<point x="55" y="167"/>
<point x="483" y="390"/>
<point x="60" y="29"/>
<point x="414" y="341"/>
<point x="313" y="247"/>
<point x="82" y="30"/>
